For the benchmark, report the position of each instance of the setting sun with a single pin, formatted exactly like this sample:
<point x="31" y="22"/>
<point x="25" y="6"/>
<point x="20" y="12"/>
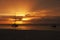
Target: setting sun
<point x="20" y="14"/>
<point x="26" y="19"/>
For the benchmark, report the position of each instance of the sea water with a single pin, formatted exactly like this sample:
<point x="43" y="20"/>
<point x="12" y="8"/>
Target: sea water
<point x="31" y="27"/>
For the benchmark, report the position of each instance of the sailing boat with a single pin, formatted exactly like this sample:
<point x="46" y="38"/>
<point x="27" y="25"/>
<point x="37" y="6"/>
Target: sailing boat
<point x="15" y="25"/>
<point x="17" y="18"/>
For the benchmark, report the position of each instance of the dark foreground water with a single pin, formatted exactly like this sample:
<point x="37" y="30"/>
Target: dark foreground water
<point x="29" y="32"/>
<point x="10" y="34"/>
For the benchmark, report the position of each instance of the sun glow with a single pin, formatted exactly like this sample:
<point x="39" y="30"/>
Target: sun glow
<point x="20" y="14"/>
<point x="19" y="22"/>
<point x="26" y="19"/>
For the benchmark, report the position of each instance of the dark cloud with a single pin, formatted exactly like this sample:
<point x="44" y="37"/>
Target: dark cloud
<point x="47" y="20"/>
<point x="46" y="4"/>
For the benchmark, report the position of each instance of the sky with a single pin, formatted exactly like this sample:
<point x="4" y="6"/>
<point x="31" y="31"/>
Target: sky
<point x="42" y="8"/>
<point x="32" y="7"/>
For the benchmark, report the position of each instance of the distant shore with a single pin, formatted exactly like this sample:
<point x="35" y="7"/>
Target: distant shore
<point x="30" y="24"/>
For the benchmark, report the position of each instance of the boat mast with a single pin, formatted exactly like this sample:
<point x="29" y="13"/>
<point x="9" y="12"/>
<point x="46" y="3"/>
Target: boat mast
<point x="15" y="19"/>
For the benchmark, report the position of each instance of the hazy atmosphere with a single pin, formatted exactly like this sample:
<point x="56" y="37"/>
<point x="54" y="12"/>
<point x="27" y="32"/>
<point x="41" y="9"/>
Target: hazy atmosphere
<point x="29" y="19"/>
<point x="32" y="11"/>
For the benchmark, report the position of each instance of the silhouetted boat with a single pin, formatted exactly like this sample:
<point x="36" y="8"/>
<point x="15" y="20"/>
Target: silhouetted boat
<point x="19" y="19"/>
<point x="14" y="25"/>
<point x="53" y="25"/>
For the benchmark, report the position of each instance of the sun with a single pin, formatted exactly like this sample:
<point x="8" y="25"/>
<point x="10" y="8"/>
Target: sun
<point x="21" y="13"/>
<point x="26" y="19"/>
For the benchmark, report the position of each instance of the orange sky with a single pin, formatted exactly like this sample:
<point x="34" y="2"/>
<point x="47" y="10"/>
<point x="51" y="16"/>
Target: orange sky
<point x="14" y="7"/>
<point x="32" y="7"/>
<point x="36" y="8"/>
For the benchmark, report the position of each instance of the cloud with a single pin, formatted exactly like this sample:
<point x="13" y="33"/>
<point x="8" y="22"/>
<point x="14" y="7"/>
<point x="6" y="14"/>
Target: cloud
<point x="46" y="4"/>
<point x="46" y="20"/>
<point x="52" y="5"/>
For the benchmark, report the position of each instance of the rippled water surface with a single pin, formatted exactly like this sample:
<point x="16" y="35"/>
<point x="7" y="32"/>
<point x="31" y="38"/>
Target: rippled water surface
<point x="30" y="27"/>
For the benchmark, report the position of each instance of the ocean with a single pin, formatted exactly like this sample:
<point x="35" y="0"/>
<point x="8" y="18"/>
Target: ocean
<point x="29" y="32"/>
<point x="31" y="27"/>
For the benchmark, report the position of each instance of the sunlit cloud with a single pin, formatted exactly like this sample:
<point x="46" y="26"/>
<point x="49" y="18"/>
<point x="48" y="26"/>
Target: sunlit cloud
<point x="38" y="9"/>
